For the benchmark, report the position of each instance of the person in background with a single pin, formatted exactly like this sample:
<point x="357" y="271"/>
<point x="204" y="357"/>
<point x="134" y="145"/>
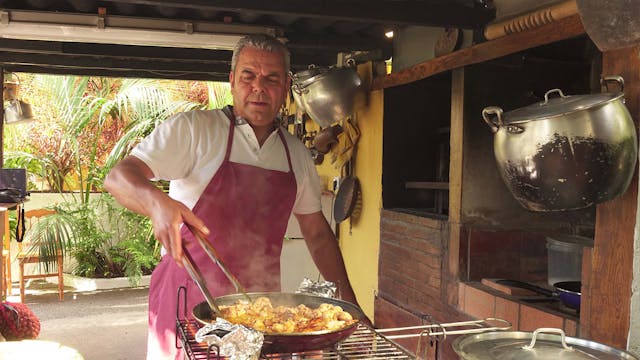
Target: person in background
<point x="235" y="177"/>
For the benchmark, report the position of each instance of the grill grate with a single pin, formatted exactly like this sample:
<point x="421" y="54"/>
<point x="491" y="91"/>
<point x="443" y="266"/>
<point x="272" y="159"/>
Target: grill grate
<point x="364" y="343"/>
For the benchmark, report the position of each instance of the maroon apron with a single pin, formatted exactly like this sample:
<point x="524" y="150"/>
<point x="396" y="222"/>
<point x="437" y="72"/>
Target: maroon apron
<point x="247" y="209"/>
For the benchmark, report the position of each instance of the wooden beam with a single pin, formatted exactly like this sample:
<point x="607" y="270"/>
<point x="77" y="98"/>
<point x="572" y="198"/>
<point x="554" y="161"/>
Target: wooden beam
<point x="96" y="65"/>
<point x="114" y="50"/>
<point x="609" y="307"/>
<point x="433" y="185"/>
<point x="465" y="14"/>
<point x="38" y="51"/>
<point x="561" y="30"/>
<point x="115" y="73"/>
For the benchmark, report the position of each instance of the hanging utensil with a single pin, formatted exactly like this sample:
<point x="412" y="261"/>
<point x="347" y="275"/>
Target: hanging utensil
<point x="347" y="143"/>
<point x="326" y="138"/>
<point x="347" y="196"/>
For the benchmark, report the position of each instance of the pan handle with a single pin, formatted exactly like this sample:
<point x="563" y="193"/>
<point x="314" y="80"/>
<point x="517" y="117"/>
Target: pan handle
<point x="525" y="285"/>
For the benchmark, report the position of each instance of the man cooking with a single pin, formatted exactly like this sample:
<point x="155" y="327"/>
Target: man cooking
<point x="236" y="177"/>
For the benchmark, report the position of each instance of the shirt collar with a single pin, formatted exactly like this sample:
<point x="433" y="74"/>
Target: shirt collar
<point x="239" y="120"/>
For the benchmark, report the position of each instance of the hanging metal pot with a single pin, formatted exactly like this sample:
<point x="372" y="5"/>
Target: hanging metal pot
<point x="300" y="78"/>
<point x="542" y="344"/>
<point x="568" y="152"/>
<point x="328" y="96"/>
<point x="18" y="111"/>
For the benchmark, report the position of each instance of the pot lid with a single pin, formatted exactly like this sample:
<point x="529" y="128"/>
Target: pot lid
<point x="541" y="344"/>
<point x="558" y="106"/>
<point x="570" y="240"/>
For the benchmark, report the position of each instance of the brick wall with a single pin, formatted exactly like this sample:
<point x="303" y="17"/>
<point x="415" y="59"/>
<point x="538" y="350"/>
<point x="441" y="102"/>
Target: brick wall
<point x="411" y="255"/>
<point x="411" y="289"/>
<point x="512" y="254"/>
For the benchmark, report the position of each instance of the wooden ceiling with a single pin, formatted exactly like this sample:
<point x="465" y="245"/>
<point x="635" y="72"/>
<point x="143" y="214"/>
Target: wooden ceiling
<point x="316" y="31"/>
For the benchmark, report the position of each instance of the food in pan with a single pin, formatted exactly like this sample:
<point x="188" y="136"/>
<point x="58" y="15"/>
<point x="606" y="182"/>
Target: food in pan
<point x="261" y="315"/>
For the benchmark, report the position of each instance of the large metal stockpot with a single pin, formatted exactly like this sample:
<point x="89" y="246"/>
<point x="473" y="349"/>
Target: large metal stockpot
<point x="568" y="152"/>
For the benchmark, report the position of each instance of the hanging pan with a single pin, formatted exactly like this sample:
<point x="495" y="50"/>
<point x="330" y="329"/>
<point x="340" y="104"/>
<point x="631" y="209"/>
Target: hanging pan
<point x="347" y="196"/>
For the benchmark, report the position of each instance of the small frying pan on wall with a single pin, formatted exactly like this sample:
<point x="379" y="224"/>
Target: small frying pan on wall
<point x="347" y="196"/>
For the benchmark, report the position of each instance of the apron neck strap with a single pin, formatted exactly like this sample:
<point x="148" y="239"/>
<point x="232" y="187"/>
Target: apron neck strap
<point x="227" y="110"/>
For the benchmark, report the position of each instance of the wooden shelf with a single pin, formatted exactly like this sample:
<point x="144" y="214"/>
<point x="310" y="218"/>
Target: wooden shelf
<point x="562" y="29"/>
<point x="426" y="185"/>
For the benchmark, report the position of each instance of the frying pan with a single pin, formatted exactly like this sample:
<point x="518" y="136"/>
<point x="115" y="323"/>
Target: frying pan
<point x="275" y="343"/>
<point x="568" y="292"/>
<point x="347" y="196"/>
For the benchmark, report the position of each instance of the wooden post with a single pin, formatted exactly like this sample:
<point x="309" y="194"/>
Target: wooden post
<point x="452" y="274"/>
<point x="607" y="313"/>
<point x="3" y="217"/>
<point x="2" y="119"/>
<point x="3" y="211"/>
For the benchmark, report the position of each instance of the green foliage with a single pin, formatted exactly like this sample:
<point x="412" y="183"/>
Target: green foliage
<point x="105" y="239"/>
<point x="49" y="235"/>
<point x="85" y="126"/>
<point x="219" y="95"/>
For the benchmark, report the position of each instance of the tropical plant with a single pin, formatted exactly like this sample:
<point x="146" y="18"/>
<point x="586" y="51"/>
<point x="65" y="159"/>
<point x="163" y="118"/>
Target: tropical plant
<point x="91" y="124"/>
<point x="105" y="239"/>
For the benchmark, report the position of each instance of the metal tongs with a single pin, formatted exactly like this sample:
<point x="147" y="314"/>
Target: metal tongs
<point x="195" y="274"/>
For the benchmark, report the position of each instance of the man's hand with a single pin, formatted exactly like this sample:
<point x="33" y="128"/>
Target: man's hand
<point x="130" y="184"/>
<point x="167" y="217"/>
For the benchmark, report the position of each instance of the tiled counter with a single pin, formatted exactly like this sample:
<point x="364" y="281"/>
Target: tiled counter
<point x="480" y="301"/>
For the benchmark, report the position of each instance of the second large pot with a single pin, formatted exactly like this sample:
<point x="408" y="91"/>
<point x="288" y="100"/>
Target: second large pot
<point x="568" y="152"/>
<point x="542" y="344"/>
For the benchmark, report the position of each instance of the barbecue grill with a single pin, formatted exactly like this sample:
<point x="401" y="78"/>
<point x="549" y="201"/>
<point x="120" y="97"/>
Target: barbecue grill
<point x="364" y="343"/>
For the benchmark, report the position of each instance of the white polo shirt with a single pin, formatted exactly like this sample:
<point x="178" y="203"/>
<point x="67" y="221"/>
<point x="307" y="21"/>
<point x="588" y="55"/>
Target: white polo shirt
<point x="189" y="148"/>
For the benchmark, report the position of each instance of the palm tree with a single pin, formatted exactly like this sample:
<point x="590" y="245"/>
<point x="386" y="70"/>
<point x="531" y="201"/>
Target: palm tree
<point x="143" y="108"/>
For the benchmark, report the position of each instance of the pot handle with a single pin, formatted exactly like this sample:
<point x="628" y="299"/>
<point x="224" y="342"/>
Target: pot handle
<point x="546" y="95"/>
<point x="494" y="122"/>
<point x="612" y="78"/>
<point x="299" y="89"/>
<point x="547" y="330"/>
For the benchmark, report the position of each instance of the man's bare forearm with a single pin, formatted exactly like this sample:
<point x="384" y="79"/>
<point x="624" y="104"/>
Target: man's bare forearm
<point x="325" y="252"/>
<point x="129" y="183"/>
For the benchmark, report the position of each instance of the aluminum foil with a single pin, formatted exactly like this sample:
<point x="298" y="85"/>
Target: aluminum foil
<point x="319" y="288"/>
<point x="235" y="342"/>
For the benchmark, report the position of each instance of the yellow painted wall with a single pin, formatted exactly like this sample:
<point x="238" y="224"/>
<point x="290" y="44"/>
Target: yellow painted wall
<point x="359" y="236"/>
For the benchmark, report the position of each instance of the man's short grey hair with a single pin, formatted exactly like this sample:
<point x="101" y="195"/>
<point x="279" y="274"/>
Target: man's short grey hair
<point x="262" y="42"/>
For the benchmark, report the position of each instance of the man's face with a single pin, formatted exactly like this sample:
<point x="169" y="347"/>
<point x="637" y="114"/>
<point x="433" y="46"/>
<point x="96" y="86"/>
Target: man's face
<point x="258" y="85"/>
